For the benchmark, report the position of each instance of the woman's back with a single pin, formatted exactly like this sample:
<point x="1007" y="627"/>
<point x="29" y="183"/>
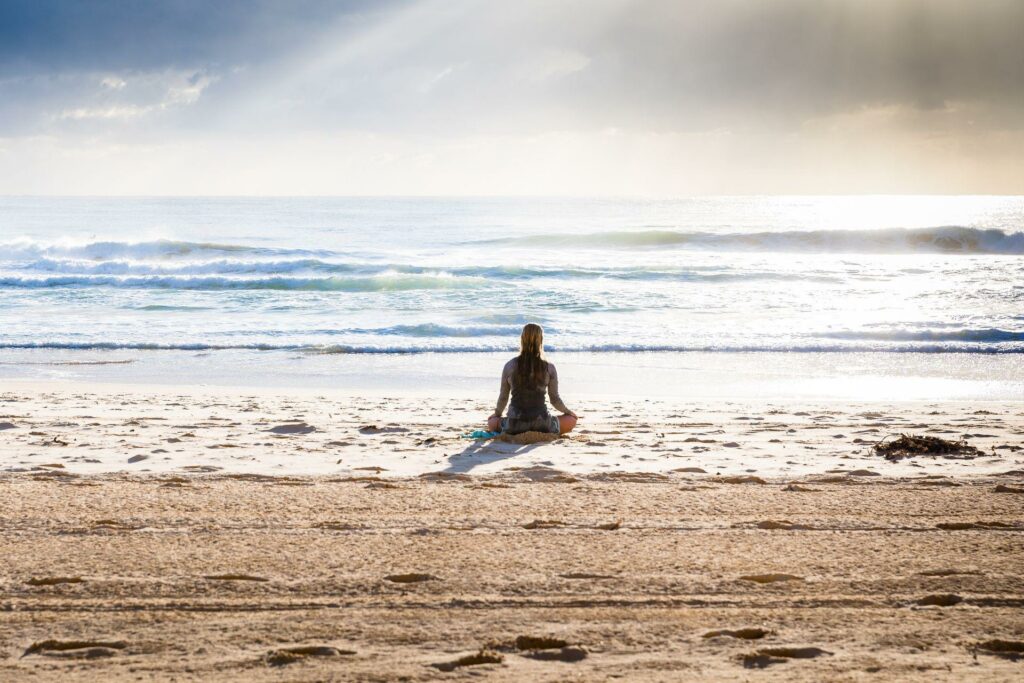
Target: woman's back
<point x="528" y="394"/>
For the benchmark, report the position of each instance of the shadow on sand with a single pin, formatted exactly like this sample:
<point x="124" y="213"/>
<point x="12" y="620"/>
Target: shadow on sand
<point x="484" y="452"/>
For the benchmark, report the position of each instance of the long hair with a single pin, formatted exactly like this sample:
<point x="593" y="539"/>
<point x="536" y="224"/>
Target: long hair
<point x="530" y="366"/>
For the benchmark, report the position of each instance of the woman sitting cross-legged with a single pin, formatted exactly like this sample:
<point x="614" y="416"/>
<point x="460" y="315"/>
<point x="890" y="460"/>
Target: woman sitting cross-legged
<point x="528" y="377"/>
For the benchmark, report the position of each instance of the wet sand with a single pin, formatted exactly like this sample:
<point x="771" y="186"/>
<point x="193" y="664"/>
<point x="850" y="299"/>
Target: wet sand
<point x="553" y="567"/>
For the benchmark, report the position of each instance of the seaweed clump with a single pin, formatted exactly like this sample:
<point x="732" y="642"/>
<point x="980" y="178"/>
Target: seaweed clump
<point x="910" y="445"/>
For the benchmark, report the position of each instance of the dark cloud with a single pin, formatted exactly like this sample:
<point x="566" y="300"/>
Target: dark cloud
<point x="457" y="67"/>
<point x="39" y="35"/>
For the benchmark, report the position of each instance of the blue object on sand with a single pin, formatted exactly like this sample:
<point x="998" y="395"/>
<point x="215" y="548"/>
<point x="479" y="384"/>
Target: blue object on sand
<point x="481" y="434"/>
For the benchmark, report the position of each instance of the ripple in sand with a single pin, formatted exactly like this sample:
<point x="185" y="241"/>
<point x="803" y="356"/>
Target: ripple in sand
<point x="544" y="524"/>
<point x="234" y="577"/>
<point x="964" y="526"/>
<point x="584" y="575"/>
<point x="742" y="633"/>
<point x="770" y="578"/>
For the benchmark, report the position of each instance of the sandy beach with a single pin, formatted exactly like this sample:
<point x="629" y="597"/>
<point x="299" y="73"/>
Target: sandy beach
<point x="244" y="535"/>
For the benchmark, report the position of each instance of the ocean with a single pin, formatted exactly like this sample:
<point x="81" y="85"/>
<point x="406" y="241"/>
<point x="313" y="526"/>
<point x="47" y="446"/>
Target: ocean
<point x="283" y="287"/>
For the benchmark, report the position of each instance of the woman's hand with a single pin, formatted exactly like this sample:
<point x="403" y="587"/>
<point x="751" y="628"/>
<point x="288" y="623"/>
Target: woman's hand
<point x="572" y="414"/>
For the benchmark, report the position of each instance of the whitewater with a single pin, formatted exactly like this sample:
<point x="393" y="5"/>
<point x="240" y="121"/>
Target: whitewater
<point x="326" y="276"/>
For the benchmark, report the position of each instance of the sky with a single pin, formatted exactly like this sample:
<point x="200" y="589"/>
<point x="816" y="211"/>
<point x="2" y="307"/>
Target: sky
<point x="649" y="98"/>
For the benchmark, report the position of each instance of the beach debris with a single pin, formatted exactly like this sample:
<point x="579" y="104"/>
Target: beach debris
<point x="410" y="578"/>
<point x="82" y="649"/>
<point x="743" y="633"/>
<point x="478" y="434"/>
<point x="290" y="655"/>
<point x="53" y="580"/>
<point x="1008" y="649"/>
<point x="481" y="657"/>
<point x="911" y="445"/>
<point x="940" y="600"/>
<point x="292" y="428"/>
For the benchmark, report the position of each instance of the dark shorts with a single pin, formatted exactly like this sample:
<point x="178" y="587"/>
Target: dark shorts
<point x="541" y="423"/>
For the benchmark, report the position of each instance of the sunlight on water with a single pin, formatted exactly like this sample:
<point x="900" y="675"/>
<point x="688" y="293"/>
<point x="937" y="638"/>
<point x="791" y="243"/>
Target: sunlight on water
<point x="372" y="275"/>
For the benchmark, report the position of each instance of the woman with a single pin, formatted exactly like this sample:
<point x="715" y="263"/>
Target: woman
<point x="527" y="377"/>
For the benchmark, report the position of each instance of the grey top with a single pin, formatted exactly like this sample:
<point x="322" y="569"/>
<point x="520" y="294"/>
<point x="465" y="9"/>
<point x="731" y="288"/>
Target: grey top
<point x="507" y="374"/>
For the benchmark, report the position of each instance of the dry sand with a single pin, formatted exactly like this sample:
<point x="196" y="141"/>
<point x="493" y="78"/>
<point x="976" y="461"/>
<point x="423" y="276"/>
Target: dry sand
<point x="271" y="560"/>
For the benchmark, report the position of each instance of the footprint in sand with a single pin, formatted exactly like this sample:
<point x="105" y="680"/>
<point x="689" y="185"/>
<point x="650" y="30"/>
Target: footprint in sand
<point x="799" y="488"/>
<point x="477" y="659"/>
<point x="1008" y="649"/>
<point x="570" y="654"/>
<point x="777" y="655"/>
<point x="292" y="428"/>
<point x="940" y="600"/>
<point x="290" y="655"/>
<point x="54" y="580"/>
<point x="742" y="633"/>
<point x="410" y="578"/>
<point x="374" y="429"/>
<point x="75" y="649"/>
<point x="744" y="479"/>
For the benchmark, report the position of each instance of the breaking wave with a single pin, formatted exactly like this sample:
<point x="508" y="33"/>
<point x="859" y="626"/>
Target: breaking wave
<point x="942" y="240"/>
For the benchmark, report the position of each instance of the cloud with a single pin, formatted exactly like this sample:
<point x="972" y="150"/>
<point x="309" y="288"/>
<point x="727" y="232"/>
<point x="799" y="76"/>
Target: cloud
<point x="138" y="95"/>
<point x="604" y="84"/>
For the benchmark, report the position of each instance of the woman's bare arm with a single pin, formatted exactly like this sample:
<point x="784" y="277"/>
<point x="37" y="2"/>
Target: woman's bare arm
<point x="556" y="400"/>
<point x="506" y="387"/>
